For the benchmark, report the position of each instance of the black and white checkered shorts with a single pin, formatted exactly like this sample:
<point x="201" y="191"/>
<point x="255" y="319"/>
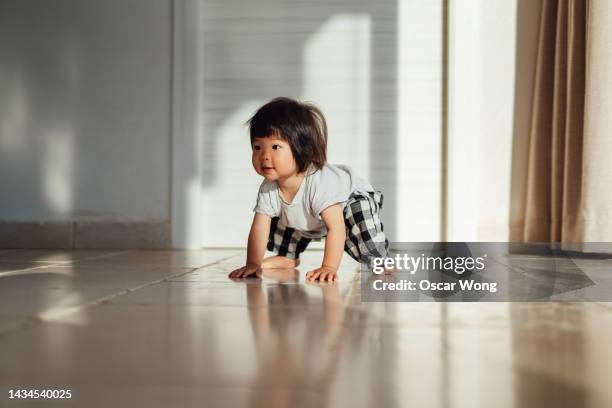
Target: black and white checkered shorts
<point x="365" y="238"/>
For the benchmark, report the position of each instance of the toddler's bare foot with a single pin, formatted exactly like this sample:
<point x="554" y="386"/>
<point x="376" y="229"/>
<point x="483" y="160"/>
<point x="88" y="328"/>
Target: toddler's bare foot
<point x="389" y="271"/>
<point x="279" y="262"/>
<point x="385" y="271"/>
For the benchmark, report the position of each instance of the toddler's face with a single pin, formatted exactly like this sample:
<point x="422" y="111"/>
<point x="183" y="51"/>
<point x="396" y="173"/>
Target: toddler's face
<point x="273" y="159"/>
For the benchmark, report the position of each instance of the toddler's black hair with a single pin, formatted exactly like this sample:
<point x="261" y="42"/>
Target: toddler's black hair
<point x="301" y="124"/>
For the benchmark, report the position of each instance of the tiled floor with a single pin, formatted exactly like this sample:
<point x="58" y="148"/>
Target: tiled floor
<point x="168" y="328"/>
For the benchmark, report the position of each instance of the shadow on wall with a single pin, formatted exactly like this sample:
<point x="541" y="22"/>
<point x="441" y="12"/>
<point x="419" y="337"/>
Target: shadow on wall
<point x="37" y="111"/>
<point x="527" y="30"/>
<point x="255" y="52"/>
<point x="84" y="119"/>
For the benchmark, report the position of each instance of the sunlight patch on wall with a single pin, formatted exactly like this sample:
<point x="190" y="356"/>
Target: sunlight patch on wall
<point x="57" y="171"/>
<point x="13" y="113"/>
<point x="419" y="118"/>
<point x="336" y="68"/>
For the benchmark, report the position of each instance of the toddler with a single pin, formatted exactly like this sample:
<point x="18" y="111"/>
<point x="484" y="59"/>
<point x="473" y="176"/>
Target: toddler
<point x="302" y="197"/>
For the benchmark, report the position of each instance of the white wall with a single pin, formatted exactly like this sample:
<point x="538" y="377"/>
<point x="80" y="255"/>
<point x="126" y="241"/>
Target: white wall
<point x="494" y="44"/>
<point x="497" y="82"/>
<point x="509" y="37"/>
<point x="373" y="67"/>
<point x="85" y="110"/>
<point x="376" y="70"/>
<point x="86" y="107"/>
<point x="420" y="119"/>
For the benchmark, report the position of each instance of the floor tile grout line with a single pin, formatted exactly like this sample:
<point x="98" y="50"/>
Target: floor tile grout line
<point x="32" y="321"/>
<point x="19" y="271"/>
<point x="167" y="278"/>
<point x="102" y="256"/>
<point x="48" y="264"/>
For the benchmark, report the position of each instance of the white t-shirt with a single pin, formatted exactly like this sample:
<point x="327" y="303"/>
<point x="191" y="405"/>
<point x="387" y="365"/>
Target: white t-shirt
<point x="330" y="185"/>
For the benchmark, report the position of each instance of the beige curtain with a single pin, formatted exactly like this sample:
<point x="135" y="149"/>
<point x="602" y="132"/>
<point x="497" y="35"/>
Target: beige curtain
<point x="569" y="178"/>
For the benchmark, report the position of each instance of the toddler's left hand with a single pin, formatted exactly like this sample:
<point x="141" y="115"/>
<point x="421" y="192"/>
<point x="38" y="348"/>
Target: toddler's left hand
<point x="324" y="273"/>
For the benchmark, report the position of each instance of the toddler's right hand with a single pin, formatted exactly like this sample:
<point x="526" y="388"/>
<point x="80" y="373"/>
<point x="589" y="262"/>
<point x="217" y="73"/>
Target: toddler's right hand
<point x="245" y="271"/>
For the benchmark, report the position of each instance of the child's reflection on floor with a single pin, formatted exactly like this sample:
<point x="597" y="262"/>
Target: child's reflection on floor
<point x="297" y="340"/>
